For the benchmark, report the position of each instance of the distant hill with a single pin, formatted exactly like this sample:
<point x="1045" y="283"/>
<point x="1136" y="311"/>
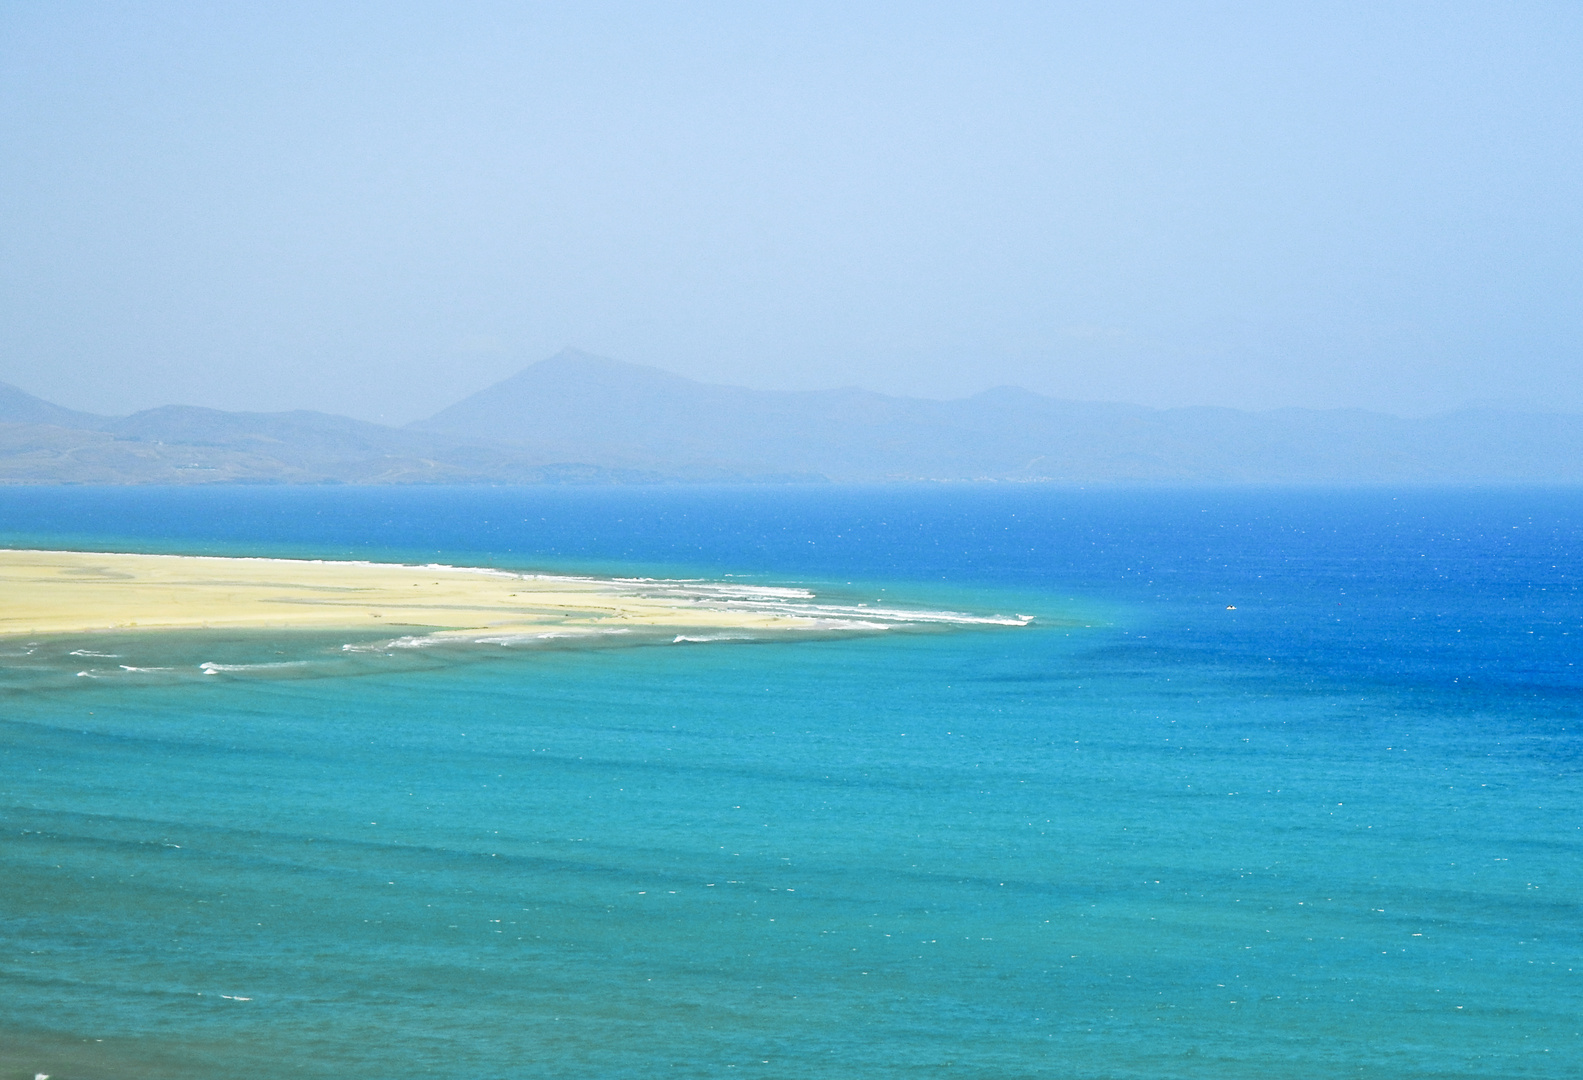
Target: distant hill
<point x="19" y="407"/>
<point x="576" y="418"/>
<point x="179" y="444"/>
<point x="624" y="414"/>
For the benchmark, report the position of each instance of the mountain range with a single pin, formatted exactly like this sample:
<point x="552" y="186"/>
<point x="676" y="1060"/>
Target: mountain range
<point x="576" y="418"/>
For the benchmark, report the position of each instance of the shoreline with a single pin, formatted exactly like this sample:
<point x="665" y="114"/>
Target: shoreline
<point x="72" y="592"/>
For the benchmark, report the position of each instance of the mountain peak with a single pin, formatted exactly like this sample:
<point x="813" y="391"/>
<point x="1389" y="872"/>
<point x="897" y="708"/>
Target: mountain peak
<point x="585" y="364"/>
<point x="571" y="392"/>
<point x="17" y="406"/>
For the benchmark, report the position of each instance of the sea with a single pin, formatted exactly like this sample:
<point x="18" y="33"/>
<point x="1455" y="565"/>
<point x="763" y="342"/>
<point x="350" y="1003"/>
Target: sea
<point x="1277" y="783"/>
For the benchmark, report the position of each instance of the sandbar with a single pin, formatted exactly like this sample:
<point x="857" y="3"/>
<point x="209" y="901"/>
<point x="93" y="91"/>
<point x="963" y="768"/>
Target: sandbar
<point x="67" y="592"/>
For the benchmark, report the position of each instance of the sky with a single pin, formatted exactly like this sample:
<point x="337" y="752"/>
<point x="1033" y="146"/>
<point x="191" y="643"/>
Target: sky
<point x="376" y="209"/>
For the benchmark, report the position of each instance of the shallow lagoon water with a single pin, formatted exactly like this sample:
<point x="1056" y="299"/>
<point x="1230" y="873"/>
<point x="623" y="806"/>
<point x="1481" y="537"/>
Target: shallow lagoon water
<point x="1279" y="783"/>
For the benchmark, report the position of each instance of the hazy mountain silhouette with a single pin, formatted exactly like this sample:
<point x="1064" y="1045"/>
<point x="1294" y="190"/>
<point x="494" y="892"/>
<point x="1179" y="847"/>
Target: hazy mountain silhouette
<point x="182" y="444"/>
<point x="587" y="419"/>
<point x="618" y="413"/>
<point x="17" y="406"/>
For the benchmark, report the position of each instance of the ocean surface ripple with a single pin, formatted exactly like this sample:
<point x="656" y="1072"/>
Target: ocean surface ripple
<point x="1260" y="783"/>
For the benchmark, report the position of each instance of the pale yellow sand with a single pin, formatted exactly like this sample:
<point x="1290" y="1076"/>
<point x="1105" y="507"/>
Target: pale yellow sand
<point x="56" y="592"/>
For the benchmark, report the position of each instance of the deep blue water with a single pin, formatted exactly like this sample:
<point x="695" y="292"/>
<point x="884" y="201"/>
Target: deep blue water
<point x="1280" y="783"/>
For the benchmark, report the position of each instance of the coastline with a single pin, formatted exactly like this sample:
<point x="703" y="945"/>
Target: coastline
<point x="67" y="592"/>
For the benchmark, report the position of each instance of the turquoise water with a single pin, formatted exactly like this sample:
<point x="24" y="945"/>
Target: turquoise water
<point x="1278" y="784"/>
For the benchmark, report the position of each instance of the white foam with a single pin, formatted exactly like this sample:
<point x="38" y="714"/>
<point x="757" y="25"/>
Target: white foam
<point x="208" y="667"/>
<point x="451" y="637"/>
<point x="411" y="642"/>
<point x="793" y="603"/>
<point x="899" y="615"/>
<point x="699" y="588"/>
<point x="846" y="624"/>
<point x="528" y="639"/>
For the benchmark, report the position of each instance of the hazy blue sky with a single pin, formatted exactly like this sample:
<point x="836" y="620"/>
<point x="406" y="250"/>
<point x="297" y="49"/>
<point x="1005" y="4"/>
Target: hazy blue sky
<point x="378" y="208"/>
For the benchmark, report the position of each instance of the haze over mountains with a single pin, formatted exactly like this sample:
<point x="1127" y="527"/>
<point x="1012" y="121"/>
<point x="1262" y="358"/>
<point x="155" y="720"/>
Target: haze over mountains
<point x="580" y="418"/>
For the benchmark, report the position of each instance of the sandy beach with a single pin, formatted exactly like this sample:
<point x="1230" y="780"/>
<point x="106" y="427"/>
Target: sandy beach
<point x="60" y="592"/>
